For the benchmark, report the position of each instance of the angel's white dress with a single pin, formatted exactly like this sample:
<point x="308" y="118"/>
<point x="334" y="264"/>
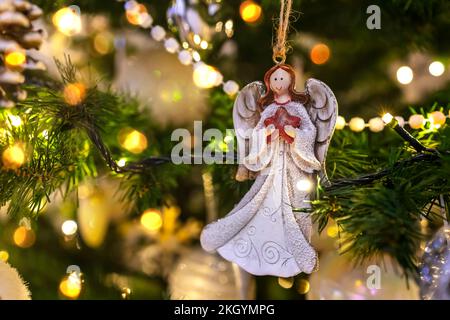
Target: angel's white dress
<point x="262" y="234"/>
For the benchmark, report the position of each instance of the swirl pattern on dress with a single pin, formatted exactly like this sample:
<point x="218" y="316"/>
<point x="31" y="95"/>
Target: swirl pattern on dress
<point x="271" y="252"/>
<point x="251" y="230"/>
<point x="269" y="212"/>
<point x="242" y="248"/>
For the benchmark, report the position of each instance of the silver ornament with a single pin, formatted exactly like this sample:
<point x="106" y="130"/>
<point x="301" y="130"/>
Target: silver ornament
<point x="194" y="18"/>
<point x="435" y="267"/>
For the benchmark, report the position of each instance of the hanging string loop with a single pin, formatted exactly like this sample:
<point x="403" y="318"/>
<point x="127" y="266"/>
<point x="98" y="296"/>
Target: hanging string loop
<point x="279" y="47"/>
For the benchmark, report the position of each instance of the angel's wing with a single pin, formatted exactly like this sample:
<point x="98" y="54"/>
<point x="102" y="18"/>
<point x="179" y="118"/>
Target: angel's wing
<point x="245" y="117"/>
<point x="323" y="110"/>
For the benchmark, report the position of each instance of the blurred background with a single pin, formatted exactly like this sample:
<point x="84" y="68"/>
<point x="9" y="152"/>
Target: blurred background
<point x="184" y="60"/>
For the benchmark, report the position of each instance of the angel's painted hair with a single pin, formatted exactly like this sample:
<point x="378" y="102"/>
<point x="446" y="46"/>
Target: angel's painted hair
<point x="269" y="97"/>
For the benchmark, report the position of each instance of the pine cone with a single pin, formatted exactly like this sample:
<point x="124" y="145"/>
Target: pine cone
<point x="17" y="35"/>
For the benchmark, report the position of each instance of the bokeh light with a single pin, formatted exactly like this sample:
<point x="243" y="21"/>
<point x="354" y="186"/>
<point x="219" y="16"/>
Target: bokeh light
<point x="332" y="231"/>
<point x="436" y="68"/>
<point x="405" y="75"/>
<point x="13" y="157"/>
<point x="69" y="227"/>
<point x="103" y="42"/>
<point x="137" y="14"/>
<point x="151" y="219"/>
<point x="68" y="20"/>
<point x="416" y="121"/>
<point x="24" y="237"/>
<point x="376" y="124"/>
<point x="4" y="256"/>
<point x="70" y="286"/>
<point x="357" y="124"/>
<point x="14" y="120"/>
<point x="340" y="123"/>
<point x="206" y="76"/>
<point x="15" y="58"/>
<point x="437" y="119"/>
<point x="122" y="162"/>
<point x="304" y="185"/>
<point x="320" y="53"/>
<point x="133" y="140"/>
<point x="250" y="11"/>
<point x="74" y="93"/>
<point x="387" y="118"/>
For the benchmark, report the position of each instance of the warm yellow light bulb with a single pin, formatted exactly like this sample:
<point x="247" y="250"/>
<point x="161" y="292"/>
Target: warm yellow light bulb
<point x="250" y="11"/>
<point x="122" y="162"/>
<point x="405" y="75"/>
<point x="196" y="56"/>
<point x="23" y="237"/>
<point x="332" y="231"/>
<point x="340" y="123"/>
<point x="68" y="21"/>
<point x="204" y="44"/>
<point x="15" y="121"/>
<point x="103" y="42"/>
<point x="197" y="39"/>
<point x="74" y="93"/>
<point x="69" y="227"/>
<point x="138" y="15"/>
<point x="387" y="118"/>
<point x="304" y="185"/>
<point x="133" y="141"/>
<point x="416" y="121"/>
<point x="4" y="256"/>
<point x="15" y="58"/>
<point x="357" y="124"/>
<point x="206" y="76"/>
<point x="13" y="157"/>
<point x="70" y="286"/>
<point x="436" y="68"/>
<point x="437" y="118"/>
<point x="151" y="219"/>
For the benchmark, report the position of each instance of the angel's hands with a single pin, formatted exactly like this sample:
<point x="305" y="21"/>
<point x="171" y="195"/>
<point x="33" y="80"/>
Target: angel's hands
<point x="290" y="131"/>
<point x="270" y="129"/>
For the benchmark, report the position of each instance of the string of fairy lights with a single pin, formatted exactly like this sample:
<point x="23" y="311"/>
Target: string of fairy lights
<point x="68" y="21"/>
<point x="204" y="75"/>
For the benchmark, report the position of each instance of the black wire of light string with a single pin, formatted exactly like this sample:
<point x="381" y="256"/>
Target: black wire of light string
<point x="147" y="163"/>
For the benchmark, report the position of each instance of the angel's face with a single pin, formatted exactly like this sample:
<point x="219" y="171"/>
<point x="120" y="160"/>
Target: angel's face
<point x="280" y="81"/>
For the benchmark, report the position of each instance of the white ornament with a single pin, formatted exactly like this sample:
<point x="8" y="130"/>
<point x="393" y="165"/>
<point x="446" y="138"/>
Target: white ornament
<point x="171" y="45"/>
<point x="12" y="286"/>
<point x="283" y="145"/>
<point x="376" y="124"/>
<point x="230" y="87"/>
<point x="158" y="33"/>
<point x="185" y="57"/>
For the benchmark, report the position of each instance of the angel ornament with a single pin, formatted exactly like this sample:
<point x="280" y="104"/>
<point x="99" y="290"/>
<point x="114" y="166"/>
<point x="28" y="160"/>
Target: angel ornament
<point x="283" y="136"/>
